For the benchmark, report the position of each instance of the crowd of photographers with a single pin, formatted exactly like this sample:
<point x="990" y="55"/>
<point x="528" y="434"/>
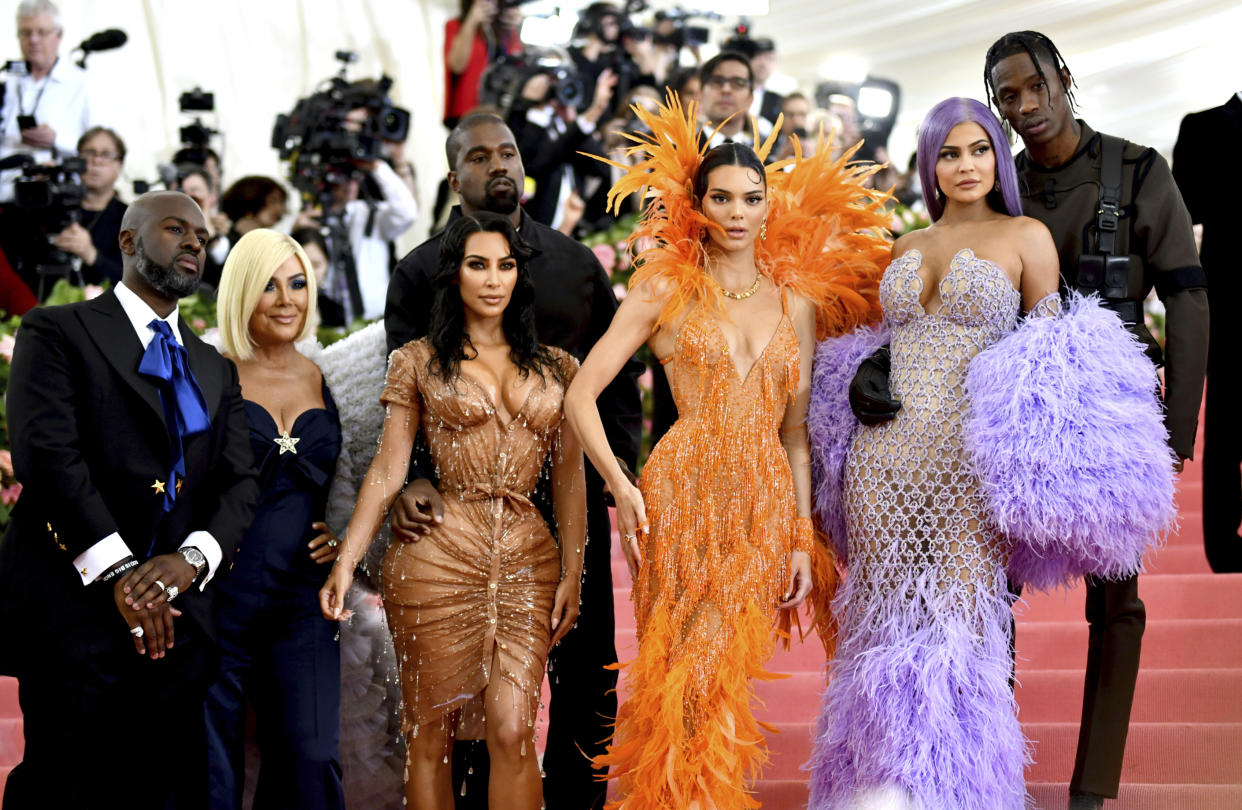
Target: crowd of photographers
<point x="353" y="186"/>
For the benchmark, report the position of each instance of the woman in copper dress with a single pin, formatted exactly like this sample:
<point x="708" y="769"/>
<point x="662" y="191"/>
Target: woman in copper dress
<point x="718" y="532"/>
<point x="475" y="605"/>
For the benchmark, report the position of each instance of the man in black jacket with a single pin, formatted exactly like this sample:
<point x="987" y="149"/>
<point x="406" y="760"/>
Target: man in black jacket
<point x="130" y="438"/>
<point x="1208" y="172"/>
<point x="574" y="305"/>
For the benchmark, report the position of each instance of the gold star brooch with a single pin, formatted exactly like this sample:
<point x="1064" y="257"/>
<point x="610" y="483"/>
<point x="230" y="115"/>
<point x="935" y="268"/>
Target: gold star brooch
<point x="158" y="486"/>
<point x="287" y="443"/>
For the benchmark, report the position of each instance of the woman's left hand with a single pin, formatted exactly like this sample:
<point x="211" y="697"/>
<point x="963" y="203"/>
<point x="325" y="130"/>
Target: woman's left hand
<point x="799" y="580"/>
<point x="326" y="546"/>
<point x="565" y="607"/>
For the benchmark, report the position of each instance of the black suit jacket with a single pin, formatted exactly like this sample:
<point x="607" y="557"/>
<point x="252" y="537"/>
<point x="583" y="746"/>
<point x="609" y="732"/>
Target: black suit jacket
<point x="89" y="442"/>
<point x="1207" y="165"/>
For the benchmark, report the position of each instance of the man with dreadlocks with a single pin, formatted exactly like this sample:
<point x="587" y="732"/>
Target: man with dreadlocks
<point x="1121" y="228"/>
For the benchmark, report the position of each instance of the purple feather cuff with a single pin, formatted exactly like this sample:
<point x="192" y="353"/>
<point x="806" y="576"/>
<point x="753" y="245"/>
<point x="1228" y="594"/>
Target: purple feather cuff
<point x="831" y="424"/>
<point x="1067" y="437"/>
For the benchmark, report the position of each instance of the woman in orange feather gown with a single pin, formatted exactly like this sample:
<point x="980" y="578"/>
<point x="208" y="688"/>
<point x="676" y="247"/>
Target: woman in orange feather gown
<point x="741" y="273"/>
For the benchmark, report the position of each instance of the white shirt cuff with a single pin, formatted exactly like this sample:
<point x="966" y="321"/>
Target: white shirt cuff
<point x="99" y="558"/>
<point x="204" y="542"/>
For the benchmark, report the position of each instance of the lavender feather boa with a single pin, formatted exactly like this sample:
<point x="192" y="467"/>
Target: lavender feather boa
<point x="831" y="424"/>
<point x="1067" y="437"/>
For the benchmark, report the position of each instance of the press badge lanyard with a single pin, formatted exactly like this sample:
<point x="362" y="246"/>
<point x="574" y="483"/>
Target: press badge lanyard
<point x="21" y="104"/>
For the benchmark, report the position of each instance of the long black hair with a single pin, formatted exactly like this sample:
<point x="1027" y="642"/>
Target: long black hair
<point x="447" y="328"/>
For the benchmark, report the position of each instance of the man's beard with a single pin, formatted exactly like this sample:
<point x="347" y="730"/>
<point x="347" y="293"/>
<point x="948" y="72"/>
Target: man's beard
<point x="502" y="202"/>
<point x="167" y="281"/>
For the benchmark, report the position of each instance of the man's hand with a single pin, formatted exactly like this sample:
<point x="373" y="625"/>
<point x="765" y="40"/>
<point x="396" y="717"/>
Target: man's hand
<point x="325" y="547"/>
<point x="308" y="218"/>
<point x="871" y="399"/>
<point x="629" y="476"/>
<point x="142" y="586"/>
<point x="565" y="605"/>
<point x="418" y="510"/>
<point x="42" y="136"/>
<point x="155" y="625"/>
<point x="77" y="240"/>
<point x="601" y="103"/>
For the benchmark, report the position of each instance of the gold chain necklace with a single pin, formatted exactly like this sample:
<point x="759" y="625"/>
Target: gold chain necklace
<point x="754" y="288"/>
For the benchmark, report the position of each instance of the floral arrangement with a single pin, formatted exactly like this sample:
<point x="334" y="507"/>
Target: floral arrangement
<point x="906" y="219"/>
<point x="611" y="247"/>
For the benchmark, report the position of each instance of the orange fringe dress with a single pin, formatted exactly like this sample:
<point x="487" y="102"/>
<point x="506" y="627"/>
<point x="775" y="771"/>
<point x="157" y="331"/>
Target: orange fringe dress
<point x="718" y="488"/>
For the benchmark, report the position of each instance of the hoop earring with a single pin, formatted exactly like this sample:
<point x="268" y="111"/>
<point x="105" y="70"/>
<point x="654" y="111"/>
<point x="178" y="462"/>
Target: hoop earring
<point x="763" y="229"/>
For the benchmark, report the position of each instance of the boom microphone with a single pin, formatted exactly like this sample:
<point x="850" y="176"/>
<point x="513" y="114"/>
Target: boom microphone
<point x="104" y="41"/>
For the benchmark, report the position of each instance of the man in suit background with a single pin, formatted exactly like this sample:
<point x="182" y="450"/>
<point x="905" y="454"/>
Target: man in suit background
<point x="130" y="439"/>
<point x="1207" y="166"/>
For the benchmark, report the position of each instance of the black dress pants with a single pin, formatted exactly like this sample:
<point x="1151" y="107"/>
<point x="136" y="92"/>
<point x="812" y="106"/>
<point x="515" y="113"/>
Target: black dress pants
<point x="1116" y="618"/>
<point x="1222" y="455"/>
<point x="107" y="728"/>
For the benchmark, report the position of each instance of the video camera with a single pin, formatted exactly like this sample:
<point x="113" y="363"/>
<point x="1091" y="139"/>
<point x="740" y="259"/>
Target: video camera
<point x="672" y="28"/>
<point x="49" y="197"/>
<point x="196" y="136"/>
<point x="502" y="83"/>
<point x="320" y="142"/>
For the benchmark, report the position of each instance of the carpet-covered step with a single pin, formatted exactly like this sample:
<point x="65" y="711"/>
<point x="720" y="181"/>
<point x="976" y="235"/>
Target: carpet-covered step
<point x="1182" y="596"/>
<point x="1052" y="796"/>
<point x="1182" y="558"/>
<point x="1167" y="644"/>
<point x="1161" y="695"/>
<point x="1160" y="753"/>
<point x="12" y="743"/>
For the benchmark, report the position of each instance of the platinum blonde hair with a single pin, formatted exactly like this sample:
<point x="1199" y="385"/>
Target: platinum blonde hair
<point x="250" y="266"/>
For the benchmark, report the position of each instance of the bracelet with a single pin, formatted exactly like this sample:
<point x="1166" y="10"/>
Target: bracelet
<point x="120" y="569"/>
<point x="804" y="535"/>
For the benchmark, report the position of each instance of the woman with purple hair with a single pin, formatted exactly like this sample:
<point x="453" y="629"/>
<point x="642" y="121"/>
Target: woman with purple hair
<point x="919" y="711"/>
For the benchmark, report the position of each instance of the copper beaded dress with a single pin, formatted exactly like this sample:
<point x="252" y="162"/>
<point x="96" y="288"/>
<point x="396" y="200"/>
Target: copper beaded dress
<point x="719" y="496"/>
<point x="472" y="600"/>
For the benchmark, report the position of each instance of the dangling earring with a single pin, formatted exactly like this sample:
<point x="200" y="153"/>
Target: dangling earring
<point x="763" y="229"/>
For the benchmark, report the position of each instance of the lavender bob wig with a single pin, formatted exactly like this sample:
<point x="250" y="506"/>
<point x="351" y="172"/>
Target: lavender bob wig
<point x="935" y="128"/>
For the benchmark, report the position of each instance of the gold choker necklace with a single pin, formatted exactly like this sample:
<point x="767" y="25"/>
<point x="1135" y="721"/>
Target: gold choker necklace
<point x="754" y="288"/>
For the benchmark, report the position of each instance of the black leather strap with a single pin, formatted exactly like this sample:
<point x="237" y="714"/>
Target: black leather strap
<point x="1108" y="216"/>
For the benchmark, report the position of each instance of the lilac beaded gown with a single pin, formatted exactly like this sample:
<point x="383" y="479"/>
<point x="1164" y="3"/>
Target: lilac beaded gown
<point x="919" y="711"/>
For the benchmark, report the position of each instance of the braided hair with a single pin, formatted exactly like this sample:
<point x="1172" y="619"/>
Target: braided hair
<point x="1029" y="43"/>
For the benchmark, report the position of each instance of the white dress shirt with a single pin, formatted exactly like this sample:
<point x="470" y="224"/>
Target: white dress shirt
<point x="394" y="215"/>
<point x="58" y="100"/>
<point x="97" y="559"/>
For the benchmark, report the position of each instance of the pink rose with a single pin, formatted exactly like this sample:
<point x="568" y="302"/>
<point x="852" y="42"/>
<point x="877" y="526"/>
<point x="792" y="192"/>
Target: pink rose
<point x="607" y="256"/>
<point x="6" y="462"/>
<point x="6" y="347"/>
<point x="198" y="324"/>
<point x="8" y="495"/>
<point x="92" y="291"/>
<point x="619" y="290"/>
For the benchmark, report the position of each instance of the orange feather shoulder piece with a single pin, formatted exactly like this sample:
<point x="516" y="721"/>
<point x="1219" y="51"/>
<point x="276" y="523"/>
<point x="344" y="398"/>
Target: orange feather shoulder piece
<point x="826" y="237"/>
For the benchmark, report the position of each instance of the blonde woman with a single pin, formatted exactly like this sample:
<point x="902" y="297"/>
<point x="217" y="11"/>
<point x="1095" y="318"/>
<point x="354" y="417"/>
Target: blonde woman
<point x="277" y="651"/>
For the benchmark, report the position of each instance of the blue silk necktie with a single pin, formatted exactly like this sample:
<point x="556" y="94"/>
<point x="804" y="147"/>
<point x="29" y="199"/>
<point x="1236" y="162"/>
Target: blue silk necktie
<point x="185" y="410"/>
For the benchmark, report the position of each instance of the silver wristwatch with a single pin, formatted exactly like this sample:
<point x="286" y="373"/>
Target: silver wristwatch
<point x="195" y="558"/>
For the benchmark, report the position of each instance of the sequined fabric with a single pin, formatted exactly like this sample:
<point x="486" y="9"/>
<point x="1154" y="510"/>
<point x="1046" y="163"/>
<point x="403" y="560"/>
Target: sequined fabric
<point x="472" y="600"/>
<point x="719" y="497"/>
<point x="919" y="702"/>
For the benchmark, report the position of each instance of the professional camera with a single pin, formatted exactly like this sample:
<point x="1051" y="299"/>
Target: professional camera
<point x="320" y="142"/>
<point x="673" y="28"/>
<point x="502" y="83"/>
<point x="48" y="199"/>
<point x="196" y="136"/>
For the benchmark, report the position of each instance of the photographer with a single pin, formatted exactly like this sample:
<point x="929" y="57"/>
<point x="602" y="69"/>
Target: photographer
<point x="93" y="237"/>
<point x="600" y="27"/>
<point x="473" y="40"/>
<point x="45" y="112"/>
<point x="550" y="133"/>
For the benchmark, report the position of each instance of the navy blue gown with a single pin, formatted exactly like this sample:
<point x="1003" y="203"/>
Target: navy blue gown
<point x="278" y="653"/>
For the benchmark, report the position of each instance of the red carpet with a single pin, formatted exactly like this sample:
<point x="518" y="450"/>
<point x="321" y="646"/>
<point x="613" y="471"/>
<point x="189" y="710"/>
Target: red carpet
<point x="1184" y="750"/>
<point x="1185" y="745"/>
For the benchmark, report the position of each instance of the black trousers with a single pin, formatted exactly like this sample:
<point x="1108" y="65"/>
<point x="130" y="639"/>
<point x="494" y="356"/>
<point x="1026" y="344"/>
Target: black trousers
<point x="1222" y="455"/>
<point x="1116" y="618"/>
<point x="106" y="728"/>
<point x="584" y="700"/>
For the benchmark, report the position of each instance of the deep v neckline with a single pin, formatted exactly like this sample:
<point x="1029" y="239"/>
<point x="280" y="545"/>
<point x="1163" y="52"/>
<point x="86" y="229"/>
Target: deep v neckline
<point x="971" y="256"/>
<point x="492" y="403"/>
<point x="742" y="379"/>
